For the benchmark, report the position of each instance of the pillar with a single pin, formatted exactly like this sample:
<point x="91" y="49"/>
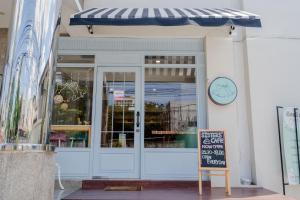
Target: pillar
<point x="27" y="167"/>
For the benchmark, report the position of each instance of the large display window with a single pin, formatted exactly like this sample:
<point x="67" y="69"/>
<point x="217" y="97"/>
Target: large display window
<point x="170" y="108"/>
<point x="72" y="108"/>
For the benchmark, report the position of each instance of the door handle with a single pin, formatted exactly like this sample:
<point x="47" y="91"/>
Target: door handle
<point x="137" y="119"/>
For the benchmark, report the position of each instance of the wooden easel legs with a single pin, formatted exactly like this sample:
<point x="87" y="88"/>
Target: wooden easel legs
<point x="227" y="181"/>
<point x="200" y="182"/>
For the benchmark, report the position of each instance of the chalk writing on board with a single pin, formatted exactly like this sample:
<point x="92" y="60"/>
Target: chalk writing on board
<point x="213" y="149"/>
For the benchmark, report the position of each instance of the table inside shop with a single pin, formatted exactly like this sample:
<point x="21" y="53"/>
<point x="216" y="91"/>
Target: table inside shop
<point x="84" y="128"/>
<point x="167" y="140"/>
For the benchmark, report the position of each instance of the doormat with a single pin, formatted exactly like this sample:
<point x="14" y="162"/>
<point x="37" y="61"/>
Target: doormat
<point x="123" y="188"/>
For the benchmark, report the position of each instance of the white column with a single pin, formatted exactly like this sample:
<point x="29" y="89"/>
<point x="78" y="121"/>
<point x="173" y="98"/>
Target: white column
<point x="219" y="62"/>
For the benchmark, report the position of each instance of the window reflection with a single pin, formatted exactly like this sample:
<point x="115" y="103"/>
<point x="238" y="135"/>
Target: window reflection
<point x="170" y="108"/>
<point x="76" y="59"/>
<point x="72" y="108"/>
<point x="118" y="106"/>
<point x="169" y="60"/>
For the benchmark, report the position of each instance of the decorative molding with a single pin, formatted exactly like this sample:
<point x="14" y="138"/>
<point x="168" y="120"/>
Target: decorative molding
<point x="130" y="44"/>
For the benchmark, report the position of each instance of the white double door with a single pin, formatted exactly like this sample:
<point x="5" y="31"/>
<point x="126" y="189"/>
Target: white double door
<point x="117" y="140"/>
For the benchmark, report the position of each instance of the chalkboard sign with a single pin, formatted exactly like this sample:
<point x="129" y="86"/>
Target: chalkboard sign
<point x="212" y="149"/>
<point x="212" y="156"/>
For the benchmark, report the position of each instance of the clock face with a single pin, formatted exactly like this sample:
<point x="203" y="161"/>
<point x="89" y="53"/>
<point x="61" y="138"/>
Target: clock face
<point x="222" y="91"/>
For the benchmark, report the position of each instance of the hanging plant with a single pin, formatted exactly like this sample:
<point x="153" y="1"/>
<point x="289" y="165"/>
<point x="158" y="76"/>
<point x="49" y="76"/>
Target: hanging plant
<point x="58" y="99"/>
<point x="64" y="106"/>
<point x="72" y="89"/>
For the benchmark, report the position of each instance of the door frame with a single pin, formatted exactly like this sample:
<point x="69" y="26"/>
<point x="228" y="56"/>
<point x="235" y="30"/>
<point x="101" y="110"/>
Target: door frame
<point x="141" y="151"/>
<point x="96" y="148"/>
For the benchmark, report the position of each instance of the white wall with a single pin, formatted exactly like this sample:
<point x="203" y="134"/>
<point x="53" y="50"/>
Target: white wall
<point x="273" y="69"/>
<point x="279" y="18"/>
<point x="159" y="3"/>
<point x="245" y="156"/>
<point x="274" y="80"/>
<point x="219" y="62"/>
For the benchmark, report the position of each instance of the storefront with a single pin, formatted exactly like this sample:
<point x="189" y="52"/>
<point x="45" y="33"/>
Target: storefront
<point x="129" y="97"/>
<point x="129" y="114"/>
<point x="130" y="107"/>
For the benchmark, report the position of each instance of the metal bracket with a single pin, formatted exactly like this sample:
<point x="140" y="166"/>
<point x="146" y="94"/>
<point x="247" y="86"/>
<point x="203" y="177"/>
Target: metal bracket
<point x="232" y="28"/>
<point x="90" y="29"/>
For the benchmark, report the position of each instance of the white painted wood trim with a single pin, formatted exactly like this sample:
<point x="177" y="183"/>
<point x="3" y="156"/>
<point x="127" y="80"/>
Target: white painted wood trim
<point x="130" y="44"/>
<point x="118" y="48"/>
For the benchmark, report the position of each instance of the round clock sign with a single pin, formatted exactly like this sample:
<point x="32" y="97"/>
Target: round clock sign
<point x="222" y="91"/>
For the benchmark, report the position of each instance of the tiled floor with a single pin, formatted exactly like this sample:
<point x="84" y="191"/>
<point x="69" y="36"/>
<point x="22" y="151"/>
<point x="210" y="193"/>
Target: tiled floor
<point x="176" y="194"/>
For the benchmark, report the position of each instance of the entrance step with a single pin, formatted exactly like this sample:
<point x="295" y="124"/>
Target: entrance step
<point x="123" y="188"/>
<point x="143" y="184"/>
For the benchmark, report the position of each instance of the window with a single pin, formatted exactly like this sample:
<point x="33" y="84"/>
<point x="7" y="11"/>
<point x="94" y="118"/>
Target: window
<point x="170" y="108"/>
<point x="76" y="59"/>
<point x="118" y="106"/>
<point x="169" y="60"/>
<point x="72" y="108"/>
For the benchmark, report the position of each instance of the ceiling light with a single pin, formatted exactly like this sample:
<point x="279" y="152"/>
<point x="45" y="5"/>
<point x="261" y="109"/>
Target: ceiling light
<point x="157" y="61"/>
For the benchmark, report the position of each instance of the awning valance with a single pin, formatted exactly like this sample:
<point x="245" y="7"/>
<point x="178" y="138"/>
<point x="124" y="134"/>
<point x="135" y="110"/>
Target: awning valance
<point x="165" y="17"/>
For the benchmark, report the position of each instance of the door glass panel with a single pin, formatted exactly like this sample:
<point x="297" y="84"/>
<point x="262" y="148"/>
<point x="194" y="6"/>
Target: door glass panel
<point x="170" y="108"/>
<point x="118" y="108"/>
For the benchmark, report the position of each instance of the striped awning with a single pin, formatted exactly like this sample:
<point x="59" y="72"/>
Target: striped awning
<point x="165" y="17"/>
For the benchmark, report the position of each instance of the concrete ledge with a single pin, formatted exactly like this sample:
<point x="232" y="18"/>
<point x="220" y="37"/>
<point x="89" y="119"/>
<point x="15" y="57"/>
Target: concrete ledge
<point x="27" y="175"/>
<point x="68" y="184"/>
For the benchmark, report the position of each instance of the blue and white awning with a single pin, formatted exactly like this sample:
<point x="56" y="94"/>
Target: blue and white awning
<point x="165" y="17"/>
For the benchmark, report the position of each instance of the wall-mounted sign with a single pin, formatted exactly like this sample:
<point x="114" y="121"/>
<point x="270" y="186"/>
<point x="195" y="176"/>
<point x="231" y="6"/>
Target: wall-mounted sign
<point x="290" y="145"/>
<point x="212" y="155"/>
<point x="222" y="91"/>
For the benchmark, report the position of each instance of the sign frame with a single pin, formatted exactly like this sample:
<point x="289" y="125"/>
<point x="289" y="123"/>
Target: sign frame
<point x="225" y="169"/>
<point x="213" y="97"/>
<point x="279" y="110"/>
